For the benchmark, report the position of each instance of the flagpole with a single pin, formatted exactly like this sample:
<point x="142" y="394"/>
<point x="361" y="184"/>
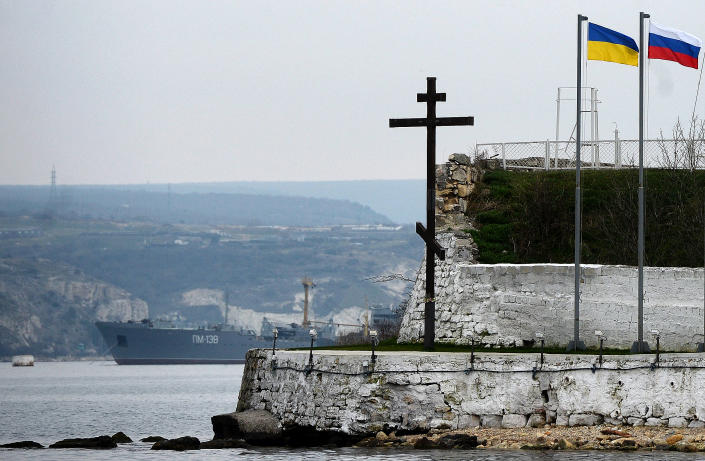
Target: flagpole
<point x="576" y="344"/>
<point x="640" y="346"/>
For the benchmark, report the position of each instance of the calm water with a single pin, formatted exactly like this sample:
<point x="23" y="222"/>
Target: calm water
<point x="52" y="401"/>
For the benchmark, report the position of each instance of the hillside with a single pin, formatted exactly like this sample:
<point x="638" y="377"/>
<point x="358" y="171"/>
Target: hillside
<point x="184" y="271"/>
<point x="401" y="200"/>
<point x="186" y="208"/>
<point x="48" y="309"/>
<point x="527" y="217"/>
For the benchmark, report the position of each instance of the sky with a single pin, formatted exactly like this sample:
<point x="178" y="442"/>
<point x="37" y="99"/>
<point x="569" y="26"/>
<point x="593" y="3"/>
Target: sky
<point x="116" y="92"/>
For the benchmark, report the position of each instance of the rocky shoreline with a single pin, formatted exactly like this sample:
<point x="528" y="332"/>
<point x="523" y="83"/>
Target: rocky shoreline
<point x="550" y="437"/>
<point x="258" y="427"/>
<point x="625" y="438"/>
<point x="254" y="428"/>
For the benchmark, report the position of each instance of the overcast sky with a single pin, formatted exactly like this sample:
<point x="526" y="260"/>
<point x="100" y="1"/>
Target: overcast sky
<point x="184" y="91"/>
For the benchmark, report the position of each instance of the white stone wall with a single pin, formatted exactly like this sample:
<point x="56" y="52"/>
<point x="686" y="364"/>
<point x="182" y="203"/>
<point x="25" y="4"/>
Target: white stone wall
<point x="418" y="391"/>
<point x="506" y="304"/>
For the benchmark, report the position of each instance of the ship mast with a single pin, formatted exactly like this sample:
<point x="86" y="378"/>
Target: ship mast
<point x="307" y="283"/>
<point x="227" y="308"/>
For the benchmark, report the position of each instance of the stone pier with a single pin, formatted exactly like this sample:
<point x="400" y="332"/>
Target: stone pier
<point x="417" y="392"/>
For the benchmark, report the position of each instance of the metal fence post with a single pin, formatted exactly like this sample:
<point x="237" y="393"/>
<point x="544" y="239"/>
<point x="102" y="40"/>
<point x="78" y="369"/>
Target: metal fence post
<point x="617" y="150"/>
<point x="547" y="159"/>
<point x="555" y="156"/>
<point x="504" y="158"/>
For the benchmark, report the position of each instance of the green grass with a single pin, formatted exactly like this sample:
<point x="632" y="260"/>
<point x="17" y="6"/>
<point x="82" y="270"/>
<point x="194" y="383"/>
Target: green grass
<point x="528" y="217"/>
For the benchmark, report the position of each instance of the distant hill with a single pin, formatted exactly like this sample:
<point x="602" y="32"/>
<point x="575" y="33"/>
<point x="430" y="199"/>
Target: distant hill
<point x="187" y="207"/>
<point x="58" y="276"/>
<point x="402" y="201"/>
<point x="48" y="308"/>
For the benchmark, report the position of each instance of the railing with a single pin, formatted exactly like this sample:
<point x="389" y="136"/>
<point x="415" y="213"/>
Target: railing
<point x="617" y="153"/>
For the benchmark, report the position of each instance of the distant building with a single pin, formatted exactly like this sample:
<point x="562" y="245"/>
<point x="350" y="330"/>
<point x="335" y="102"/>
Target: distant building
<point x="24" y="232"/>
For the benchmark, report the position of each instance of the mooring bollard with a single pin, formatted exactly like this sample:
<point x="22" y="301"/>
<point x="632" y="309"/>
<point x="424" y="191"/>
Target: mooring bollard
<point x="275" y="333"/>
<point x="312" y="332"/>
<point x="657" y="336"/>
<point x="601" y="338"/>
<point x="539" y="336"/>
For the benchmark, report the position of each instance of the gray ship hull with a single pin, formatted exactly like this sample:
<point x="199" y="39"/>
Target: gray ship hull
<point x="140" y="344"/>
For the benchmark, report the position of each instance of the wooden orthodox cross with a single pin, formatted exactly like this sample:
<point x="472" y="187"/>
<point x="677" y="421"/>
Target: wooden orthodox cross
<point x="433" y="248"/>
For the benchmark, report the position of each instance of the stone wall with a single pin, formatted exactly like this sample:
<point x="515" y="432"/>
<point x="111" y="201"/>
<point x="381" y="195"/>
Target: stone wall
<point x="507" y="304"/>
<point x="455" y="181"/>
<point x="421" y="391"/>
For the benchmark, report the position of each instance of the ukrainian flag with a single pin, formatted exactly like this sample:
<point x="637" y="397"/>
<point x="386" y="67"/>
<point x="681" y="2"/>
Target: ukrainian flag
<point x="608" y="45"/>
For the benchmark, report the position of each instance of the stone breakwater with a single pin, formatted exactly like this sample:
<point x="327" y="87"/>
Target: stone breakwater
<point x="419" y="392"/>
<point x="506" y="304"/>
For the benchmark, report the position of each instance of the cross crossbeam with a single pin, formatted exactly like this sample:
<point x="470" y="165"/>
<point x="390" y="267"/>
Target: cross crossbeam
<point x="433" y="248"/>
<point x="441" y="121"/>
<point x="431" y="240"/>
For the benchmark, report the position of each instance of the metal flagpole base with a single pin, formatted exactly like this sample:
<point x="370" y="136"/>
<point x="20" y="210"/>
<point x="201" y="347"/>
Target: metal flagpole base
<point x="644" y="349"/>
<point x="701" y="347"/>
<point x="572" y="346"/>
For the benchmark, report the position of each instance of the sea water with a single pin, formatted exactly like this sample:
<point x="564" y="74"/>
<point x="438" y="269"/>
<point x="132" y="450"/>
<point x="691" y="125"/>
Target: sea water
<point x="56" y="400"/>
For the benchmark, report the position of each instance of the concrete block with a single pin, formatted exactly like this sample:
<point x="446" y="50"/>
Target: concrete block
<point x="491" y="420"/>
<point x="677" y="422"/>
<point x="465" y="421"/>
<point x="585" y="419"/>
<point x="511" y="420"/>
<point x="536" y="420"/>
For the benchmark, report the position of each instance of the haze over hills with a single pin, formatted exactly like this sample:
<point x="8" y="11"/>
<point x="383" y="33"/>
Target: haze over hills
<point x="206" y="207"/>
<point x="402" y="201"/>
<point x="179" y="254"/>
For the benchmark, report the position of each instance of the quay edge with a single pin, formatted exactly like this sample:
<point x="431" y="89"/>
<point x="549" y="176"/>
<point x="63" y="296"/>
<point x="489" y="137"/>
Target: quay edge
<point x="416" y="392"/>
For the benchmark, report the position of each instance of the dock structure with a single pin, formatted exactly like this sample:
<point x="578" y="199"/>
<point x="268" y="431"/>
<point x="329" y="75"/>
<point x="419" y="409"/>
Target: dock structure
<point x="417" y="391"/>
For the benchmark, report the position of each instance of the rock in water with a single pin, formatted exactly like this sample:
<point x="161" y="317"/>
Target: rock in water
<point x="121" y="437"/>
<point x="23" y="444"/>
<point x="225" y="426"/>
<point x="223" y="443"/>
<point x="180" y="444"/>
<point x="458" y="441"/>
<point x="152" y="439"/>
<point x="565" y="444"/>
<point x="425" y="444"/>
<point x="257" y="427"/>
<point x="102" y="442"/>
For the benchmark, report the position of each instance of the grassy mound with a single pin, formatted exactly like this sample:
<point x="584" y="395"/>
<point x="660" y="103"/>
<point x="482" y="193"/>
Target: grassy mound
<point x="528" y="217"/>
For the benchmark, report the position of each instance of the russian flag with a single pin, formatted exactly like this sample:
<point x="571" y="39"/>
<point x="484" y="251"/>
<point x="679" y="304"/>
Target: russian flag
<point x="673" y="45"/>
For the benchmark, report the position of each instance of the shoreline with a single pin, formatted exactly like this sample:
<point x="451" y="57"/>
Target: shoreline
<point x="603" y="437"/>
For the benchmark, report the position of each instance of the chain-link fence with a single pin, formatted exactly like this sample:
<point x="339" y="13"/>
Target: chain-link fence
<point x="550" y="155"/>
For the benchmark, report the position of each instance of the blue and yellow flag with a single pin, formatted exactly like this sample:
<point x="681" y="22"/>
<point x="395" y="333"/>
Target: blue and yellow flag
<point x="608" y="45"/>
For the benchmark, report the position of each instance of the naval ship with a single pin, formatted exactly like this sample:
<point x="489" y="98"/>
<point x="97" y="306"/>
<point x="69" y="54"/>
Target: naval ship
<point x="158" y="342"/>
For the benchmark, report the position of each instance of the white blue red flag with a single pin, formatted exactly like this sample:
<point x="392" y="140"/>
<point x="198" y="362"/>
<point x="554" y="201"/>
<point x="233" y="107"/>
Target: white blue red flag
<point x="673" y="45"/>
